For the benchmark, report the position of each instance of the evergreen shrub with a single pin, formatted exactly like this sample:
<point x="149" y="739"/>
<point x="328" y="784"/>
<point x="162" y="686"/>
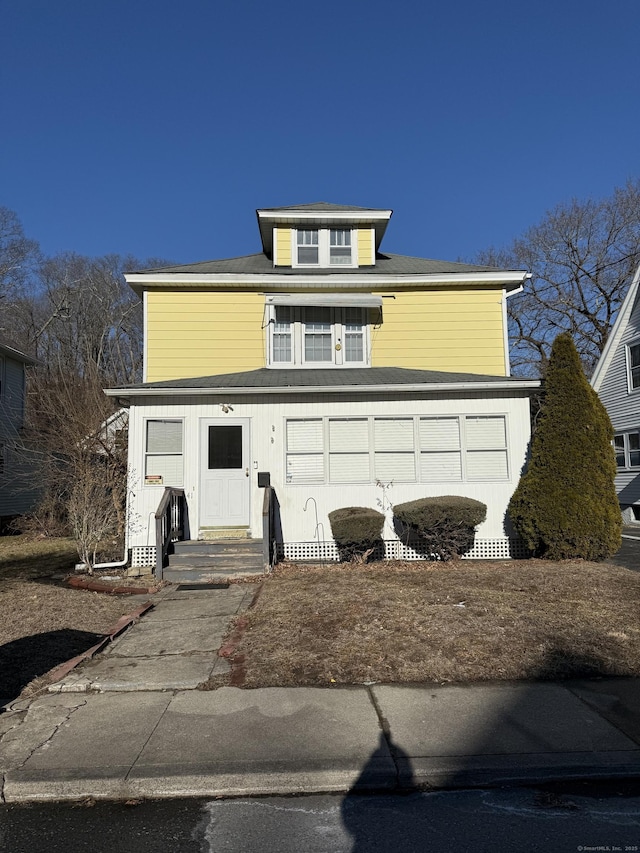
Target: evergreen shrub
<point x="565" y="505"/>
<point x="357" y="531"/>
<point x="445" y="525"/>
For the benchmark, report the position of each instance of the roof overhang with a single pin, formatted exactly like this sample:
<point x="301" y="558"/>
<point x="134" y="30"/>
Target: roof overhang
<point x="17" y="355"/>
<point x="268" y="219"/>
<point x="397" y="388"/>
<point x="267" y="282"/>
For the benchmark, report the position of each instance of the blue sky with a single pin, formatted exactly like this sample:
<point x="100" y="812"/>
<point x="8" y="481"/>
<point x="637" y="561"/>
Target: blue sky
<point x="157" y="128"/>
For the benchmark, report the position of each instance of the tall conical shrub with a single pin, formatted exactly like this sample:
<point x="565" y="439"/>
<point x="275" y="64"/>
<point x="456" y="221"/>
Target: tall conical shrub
<point x="565" y="505"/>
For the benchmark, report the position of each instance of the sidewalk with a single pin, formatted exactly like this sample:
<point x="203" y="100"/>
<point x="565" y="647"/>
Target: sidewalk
<point x="150" y="733"/>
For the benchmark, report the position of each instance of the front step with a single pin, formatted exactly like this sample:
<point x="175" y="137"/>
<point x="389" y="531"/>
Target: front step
<point x="217" y="533"/>
<point x="209" y="561"/>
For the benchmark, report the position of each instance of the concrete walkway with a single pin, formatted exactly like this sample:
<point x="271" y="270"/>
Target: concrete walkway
<point x="149" y="733"/>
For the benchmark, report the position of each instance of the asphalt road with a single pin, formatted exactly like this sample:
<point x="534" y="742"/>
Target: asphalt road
<point x="578" y="818"/>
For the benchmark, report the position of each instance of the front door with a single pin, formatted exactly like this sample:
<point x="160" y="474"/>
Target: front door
<point x="224" y="491"/>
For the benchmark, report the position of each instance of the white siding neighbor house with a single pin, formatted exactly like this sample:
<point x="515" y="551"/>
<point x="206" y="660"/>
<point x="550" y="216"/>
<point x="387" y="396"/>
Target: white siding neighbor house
<point x="617" y="380"/>
<point x="338" y="374"/>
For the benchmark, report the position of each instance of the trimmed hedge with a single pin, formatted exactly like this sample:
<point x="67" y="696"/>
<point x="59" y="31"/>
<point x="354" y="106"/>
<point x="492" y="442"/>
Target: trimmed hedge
<point x="357" y="531"/>
<point x="446" y="525"/>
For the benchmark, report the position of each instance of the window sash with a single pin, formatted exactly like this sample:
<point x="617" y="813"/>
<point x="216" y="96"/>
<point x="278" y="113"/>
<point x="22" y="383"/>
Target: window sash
<point x="627" y="449"/>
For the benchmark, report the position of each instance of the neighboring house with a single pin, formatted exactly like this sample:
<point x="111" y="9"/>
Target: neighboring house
<point x="617" y="381"/>
<point x="333" y="367"/>
<point x="17" y="490"/>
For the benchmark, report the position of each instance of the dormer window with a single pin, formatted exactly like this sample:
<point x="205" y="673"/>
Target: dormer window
<point x="323" y="247"/>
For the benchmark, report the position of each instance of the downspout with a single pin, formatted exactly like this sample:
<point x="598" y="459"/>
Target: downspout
<point x="505" y="324"/>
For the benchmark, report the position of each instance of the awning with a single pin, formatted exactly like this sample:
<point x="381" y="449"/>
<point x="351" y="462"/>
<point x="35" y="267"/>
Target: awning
<point x="329" y="300"/>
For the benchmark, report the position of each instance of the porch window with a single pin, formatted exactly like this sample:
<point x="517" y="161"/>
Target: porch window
<point x="410" y="449"/>
<point x="395" y="457"/>
<point x="163" y="453"/>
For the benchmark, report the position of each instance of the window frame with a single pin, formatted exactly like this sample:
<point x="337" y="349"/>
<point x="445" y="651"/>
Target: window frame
<point x="338" y="329"/>
<point x="147" y="453"/>
<point x="417" y="451"/>
<point x="632" y="345"/>
<point x="626" y="450"/>
<point x="325" y="246"/>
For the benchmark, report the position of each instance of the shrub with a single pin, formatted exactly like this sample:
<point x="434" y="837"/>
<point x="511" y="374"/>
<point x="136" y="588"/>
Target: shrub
<point x="357" y="531"/>
<point x="445" y="525"/>
<point x="565" y="505"/>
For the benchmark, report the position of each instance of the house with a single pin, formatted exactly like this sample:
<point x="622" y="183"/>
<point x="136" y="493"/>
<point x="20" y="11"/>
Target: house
<point x="617" y="380"/>
<point x="17" y="490"/>
<point x="338" y="373"/>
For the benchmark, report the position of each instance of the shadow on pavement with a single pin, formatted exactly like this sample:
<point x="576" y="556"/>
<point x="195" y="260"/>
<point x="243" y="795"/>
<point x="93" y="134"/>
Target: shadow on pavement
<point x="30" y="657"/>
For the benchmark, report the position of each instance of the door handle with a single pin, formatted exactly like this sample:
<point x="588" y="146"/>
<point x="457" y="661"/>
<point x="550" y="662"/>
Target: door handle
<point x="246" y="472"/>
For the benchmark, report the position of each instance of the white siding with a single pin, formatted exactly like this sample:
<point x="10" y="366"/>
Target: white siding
<point x="272" y="449"/>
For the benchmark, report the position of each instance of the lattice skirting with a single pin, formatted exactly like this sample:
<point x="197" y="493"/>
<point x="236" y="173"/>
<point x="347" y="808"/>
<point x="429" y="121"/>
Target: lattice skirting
<point x="143" y="556"/>
<point x="483" y="549"/>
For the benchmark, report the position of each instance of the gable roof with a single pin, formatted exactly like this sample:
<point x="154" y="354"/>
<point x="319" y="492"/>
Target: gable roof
<point x="350" y="380"/>
<point x="615" y="336"/>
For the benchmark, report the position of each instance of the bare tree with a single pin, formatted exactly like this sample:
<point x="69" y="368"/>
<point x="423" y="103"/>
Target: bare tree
<point x="582" y="256"/>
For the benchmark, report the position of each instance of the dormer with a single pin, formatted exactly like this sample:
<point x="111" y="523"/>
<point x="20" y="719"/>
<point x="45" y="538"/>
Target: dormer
<point x="322" y="235"/>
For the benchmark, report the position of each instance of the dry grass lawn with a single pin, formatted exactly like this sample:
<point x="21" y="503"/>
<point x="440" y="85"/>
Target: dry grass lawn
<point x="42" y="622"/>
<point x="462" y="621"/>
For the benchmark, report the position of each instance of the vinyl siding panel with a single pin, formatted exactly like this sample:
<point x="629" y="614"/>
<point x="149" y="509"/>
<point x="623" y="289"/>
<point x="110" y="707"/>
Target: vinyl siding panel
<point x="623" y="406"/>
<point x="365" y="247"/>
<point x="201" y="333"/>
<point x="457" y="330"/>
<point x="283" y="247"/>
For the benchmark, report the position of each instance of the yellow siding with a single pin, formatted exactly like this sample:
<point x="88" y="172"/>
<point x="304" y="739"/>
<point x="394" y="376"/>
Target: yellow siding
<point x="283" y="247"/>
<point x="365" y="244"/>
<point x="200" y="333"/>
<point x="455" y="330"/>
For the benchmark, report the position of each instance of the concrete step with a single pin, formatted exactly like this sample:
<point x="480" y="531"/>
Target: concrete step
<point x="196" y="561"/>
<point x="227" y="561"/>
<point x="215" y="533"/>
<point x="206" y="575"/>
<point x="218" y="548"/>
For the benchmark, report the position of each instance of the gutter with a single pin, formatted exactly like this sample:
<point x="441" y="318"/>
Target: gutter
<point x="513" y="385"/>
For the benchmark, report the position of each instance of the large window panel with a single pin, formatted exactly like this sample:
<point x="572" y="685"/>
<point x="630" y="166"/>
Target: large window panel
<point x="307" y="247"/>
<point x="349" y="450"/>
<point x="394" y="442"/>
<point x="440" y="450"/>
<point x="305" y="457"/>
<point x="486" y="457"/>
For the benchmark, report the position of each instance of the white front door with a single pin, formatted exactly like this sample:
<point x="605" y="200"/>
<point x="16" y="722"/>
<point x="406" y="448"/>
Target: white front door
<point x="225" y="473"/>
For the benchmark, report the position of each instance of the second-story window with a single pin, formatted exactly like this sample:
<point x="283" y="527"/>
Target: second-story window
<point x="633" y="363"/>
<point x="319" y="336"/>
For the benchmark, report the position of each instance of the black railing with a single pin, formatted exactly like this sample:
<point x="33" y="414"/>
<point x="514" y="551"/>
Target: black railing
<point x="170" y="518"/>
<point x="269" y="547"/>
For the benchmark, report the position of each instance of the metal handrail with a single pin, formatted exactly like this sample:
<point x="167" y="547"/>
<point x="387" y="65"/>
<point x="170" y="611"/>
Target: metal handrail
<point x="169" y="524"/>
